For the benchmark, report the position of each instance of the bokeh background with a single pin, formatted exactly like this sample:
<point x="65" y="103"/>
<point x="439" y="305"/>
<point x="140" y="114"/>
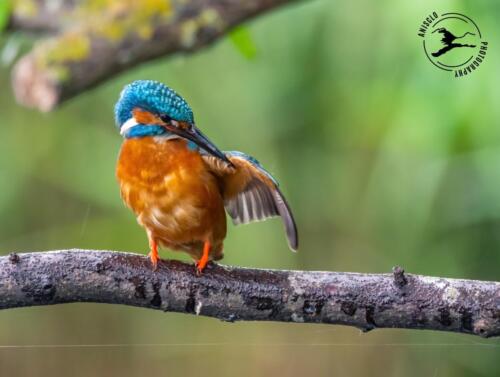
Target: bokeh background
<point x="385" y="159"/>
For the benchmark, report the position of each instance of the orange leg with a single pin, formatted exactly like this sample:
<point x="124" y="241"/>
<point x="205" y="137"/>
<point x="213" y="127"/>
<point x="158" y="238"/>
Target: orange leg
<point x="202" y="263"/>
<point x="153" y="254"/>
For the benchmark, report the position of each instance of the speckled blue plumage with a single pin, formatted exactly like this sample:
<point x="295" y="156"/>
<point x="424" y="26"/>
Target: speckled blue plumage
<point x="144" y="130"/>
<point x="152" y="96"/>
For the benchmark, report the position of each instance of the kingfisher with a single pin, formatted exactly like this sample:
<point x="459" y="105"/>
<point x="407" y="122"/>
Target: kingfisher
<point x="180" y="185"/>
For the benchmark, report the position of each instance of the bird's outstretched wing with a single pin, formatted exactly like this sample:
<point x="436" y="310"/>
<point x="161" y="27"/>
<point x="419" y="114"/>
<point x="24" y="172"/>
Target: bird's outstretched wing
<point x="251" y="193"/>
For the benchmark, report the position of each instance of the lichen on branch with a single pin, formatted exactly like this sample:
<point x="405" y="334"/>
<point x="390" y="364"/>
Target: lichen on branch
<point x="95" y="40"/>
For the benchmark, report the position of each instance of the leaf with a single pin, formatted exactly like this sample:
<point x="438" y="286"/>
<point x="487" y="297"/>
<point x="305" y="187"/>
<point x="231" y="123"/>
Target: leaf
<point x="5" y="11"/>
<point x="242" y="39"/>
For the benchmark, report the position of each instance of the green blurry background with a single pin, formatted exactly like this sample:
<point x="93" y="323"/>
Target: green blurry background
<point x="384" y="158"/>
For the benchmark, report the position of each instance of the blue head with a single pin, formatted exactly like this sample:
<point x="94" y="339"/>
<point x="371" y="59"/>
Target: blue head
<point x="150" y="108"/>
<point x="154" y="98"/>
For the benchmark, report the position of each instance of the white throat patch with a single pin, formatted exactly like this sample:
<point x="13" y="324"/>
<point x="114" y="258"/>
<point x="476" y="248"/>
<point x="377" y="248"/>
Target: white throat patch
<point x="128" y="125"/>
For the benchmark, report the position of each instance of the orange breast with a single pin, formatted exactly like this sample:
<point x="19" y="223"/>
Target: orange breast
<point x="176" y="199"/>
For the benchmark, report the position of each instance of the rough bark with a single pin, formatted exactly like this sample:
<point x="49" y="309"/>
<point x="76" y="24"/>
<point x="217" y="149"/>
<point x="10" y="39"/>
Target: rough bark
<point x="94" y="44"/>
<point x="366" y="301"/>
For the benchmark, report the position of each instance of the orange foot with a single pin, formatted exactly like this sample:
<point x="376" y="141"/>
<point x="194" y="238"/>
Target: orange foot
<point x="202" y="263"/>
<point x="153" y="254"/>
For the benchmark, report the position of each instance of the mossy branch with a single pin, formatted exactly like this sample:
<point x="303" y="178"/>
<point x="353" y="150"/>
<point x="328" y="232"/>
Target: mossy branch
<point x="95" y="42"/>
<point x="366" y="301"/>
<point x="43" y="16"/>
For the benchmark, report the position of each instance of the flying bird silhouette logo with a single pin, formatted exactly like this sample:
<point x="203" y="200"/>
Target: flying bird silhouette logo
<point x="448" y="41"/>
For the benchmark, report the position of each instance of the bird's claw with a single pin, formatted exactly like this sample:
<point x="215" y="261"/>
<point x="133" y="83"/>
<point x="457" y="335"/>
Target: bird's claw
<point x="154" y="260"/>
<point x="200" y="266"/>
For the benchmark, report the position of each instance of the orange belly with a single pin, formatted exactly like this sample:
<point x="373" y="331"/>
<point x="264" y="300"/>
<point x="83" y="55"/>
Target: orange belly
<point x="176" y="199"/>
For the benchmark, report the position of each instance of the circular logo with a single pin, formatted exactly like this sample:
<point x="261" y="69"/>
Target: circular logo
<point x="453" y="42"/>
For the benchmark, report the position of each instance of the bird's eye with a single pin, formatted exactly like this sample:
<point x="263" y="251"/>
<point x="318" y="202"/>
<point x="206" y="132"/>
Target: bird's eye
<point x="165" y="118"/>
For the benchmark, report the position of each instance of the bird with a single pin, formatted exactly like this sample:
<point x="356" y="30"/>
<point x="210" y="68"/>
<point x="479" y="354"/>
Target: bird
<point x="448" y="41"/>
<point x="180" y="185"/>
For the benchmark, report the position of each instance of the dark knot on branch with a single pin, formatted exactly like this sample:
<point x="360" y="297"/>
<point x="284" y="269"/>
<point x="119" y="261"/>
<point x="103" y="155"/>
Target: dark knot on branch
<point x="399" y="277"/>
<point x="14" y="258"/>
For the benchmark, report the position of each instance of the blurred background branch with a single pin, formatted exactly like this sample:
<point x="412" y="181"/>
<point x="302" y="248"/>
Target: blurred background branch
<point x="42" y="15"/>
<point x="95" y="40"/>
<point x="366" y="301"/>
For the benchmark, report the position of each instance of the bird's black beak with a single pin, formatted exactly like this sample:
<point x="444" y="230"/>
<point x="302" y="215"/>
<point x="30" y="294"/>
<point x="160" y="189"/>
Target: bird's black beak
<point x="196" y="136"/>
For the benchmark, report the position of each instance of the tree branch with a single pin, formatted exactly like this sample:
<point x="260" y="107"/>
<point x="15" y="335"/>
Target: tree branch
<point x="366" y="301"/>
<point x="117" y="35"/>
<point x="42" y="15"/>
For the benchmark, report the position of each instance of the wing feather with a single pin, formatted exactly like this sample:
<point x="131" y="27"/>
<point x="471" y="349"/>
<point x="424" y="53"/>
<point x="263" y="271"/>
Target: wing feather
<point x="251" y="193"/>
<point x="254" y="203"/>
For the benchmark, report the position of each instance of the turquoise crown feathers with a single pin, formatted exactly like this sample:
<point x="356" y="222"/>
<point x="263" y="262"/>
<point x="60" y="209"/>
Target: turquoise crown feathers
<point x="152" y="96"/>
